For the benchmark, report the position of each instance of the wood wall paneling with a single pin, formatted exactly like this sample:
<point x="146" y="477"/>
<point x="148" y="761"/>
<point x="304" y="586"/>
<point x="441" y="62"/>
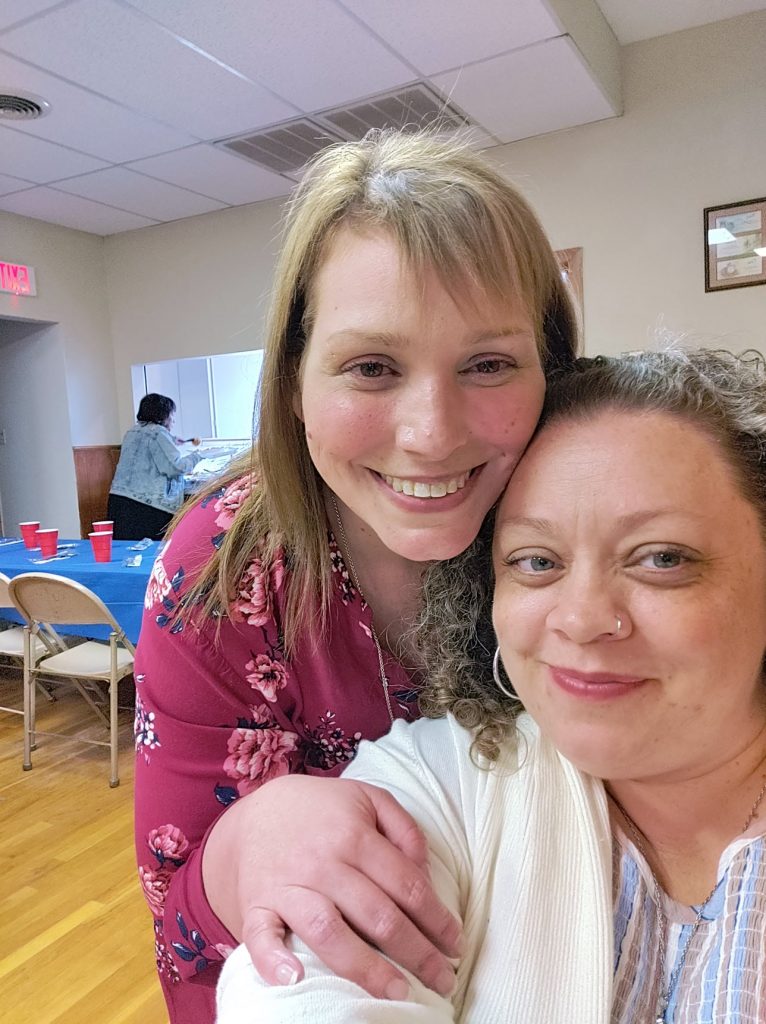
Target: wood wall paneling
<point x="94" y="469"/>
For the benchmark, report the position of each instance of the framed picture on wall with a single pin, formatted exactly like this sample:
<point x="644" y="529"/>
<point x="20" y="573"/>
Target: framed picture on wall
<point x="570" y="262"/>
<point x="735" y="245"/>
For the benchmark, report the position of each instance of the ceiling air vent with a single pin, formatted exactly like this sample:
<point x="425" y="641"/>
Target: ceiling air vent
<point x="22" y="108"/>
<point x="284" y="148"/>
<point x="414" y="106"/>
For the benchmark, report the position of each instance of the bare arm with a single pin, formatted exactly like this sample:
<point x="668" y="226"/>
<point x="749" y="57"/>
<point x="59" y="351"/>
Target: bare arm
<point x="341" y="865"/>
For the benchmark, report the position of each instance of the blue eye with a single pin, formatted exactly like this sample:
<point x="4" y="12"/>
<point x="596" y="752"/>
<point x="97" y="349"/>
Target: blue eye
<point x="668" y="558"/>
<point x="539" y="564"/>
<point x="532" y="565"/>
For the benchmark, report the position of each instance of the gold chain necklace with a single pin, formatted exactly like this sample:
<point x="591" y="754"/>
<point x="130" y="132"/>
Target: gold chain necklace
<point x="640" y="840"/>
<point x="346" y="553"/>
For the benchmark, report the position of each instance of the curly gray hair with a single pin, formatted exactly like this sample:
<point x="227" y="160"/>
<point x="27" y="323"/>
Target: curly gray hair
<point x="717" y="391"/>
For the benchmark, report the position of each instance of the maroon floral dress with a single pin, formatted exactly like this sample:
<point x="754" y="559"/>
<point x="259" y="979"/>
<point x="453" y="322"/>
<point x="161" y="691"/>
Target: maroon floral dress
<point x="218" y="714"/>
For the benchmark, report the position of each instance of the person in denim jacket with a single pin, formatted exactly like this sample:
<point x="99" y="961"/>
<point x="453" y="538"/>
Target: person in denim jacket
<point x="148" y="487"/>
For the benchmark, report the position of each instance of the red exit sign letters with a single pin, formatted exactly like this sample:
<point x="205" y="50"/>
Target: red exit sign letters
<point x="17" y="278"/>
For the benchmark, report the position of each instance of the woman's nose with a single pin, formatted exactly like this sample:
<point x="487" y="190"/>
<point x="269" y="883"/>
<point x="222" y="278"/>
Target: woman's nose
<point x="432" y="421"/>
<point x="587" y="613"/>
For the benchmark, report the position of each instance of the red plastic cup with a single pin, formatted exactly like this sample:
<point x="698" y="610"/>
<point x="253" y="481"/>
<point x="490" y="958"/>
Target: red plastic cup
<point x="28" y="531"/>
<point x="104" y="526"/>
<point x="101" y="542"/>
<point x="48" y="541"/>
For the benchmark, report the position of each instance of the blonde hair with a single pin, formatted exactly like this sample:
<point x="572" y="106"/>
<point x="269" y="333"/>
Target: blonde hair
<point x="447" y="209"/>
<point x="717" y="392"/>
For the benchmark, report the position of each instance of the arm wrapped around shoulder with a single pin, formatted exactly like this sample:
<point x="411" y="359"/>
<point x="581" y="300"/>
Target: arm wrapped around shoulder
<point x="420" y="766"/>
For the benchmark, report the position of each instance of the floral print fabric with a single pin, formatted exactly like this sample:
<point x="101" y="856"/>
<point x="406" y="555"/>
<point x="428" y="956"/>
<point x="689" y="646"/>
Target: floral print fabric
<point x="220" y="711"/>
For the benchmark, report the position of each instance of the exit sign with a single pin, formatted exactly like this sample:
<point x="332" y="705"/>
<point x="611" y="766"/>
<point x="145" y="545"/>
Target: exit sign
<point x="17" y="278"/>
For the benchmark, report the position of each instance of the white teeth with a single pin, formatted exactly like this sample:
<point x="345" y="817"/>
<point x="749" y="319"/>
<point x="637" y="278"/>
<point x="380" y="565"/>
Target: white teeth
<point x="421" y="489"/>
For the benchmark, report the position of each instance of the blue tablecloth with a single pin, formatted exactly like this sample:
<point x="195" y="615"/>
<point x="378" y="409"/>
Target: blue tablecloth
<point x="120" y="587"/>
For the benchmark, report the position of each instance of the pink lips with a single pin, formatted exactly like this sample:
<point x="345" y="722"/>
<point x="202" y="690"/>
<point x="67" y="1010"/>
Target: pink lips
<point x="595" y="685"/>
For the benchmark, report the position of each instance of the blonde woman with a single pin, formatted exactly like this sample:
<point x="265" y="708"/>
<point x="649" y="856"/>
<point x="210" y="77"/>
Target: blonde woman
<point x="417" y="309"/>
<point x="596" y="813"/>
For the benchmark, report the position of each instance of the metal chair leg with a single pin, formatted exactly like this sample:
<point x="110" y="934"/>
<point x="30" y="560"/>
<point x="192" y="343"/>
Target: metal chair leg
<point x="33" y="705"/>
<point x="44" y="688"/>
<point x="114" y="778"/>
<point x="28" y="688"/>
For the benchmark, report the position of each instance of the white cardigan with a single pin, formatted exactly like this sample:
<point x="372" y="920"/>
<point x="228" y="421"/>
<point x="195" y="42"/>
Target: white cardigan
<point x="520" y="852"/>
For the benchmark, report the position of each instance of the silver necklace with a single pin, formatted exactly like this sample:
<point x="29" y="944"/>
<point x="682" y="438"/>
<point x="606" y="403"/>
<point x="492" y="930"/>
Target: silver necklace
<point x="355" y="578"/>
<point x="640" y="841"/>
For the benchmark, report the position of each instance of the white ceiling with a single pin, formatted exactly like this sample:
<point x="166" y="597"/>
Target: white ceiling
<point x="139" y="89"/>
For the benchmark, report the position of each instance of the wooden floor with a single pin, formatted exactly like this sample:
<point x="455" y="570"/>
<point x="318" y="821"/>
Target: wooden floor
<point x="75" y="931"/>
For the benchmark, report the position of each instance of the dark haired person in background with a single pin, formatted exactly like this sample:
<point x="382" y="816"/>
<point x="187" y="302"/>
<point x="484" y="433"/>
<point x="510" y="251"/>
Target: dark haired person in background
<point x="148" y="489"/>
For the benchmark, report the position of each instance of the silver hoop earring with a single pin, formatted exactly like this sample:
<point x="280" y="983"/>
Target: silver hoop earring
<point x="619" y="626"/>
<point x="510" y="693"/>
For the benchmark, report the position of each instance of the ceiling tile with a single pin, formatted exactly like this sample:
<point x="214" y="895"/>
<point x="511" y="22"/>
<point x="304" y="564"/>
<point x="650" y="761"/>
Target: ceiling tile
<point x="84" y="121"/>
<point x="8" y="185"/>
<point x="12" y="11"/>
<point x="72" y="212"/>
<point x="205" y="169"/>
<point x="116" y="52"/>
<point x="314" y="54"/>
<point x="436" y="35"/>
<point x="23" y="156"/>
<point x="138" y="194"/>
<point x="544" y="88"/>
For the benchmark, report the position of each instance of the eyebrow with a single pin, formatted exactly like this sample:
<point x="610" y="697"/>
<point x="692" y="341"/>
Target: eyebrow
<point x="388" y="339"/>
<point x="630" y="521"/>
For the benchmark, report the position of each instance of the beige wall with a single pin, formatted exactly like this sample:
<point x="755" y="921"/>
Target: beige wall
<point x="631" y="191"/>
<point x="71" y="286"/>
<point x="57" y="377"/>
<point x="37" y="479"/>
<point x="195" y="287"/>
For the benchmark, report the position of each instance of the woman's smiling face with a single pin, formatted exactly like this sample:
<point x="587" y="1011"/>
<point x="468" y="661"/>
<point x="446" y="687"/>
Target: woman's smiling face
<point x="637" y="516"/>
<point x="416" y="406"/>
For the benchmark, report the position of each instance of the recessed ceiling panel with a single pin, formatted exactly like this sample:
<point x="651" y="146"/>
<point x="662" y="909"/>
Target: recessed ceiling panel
<point x="205" y="169"/>
<point x="138" y="194"/>
<point x="24" y="156"/>
<point x="13" y="11"/>
<point x="436" y="35"/>
<point x="82" y="120"/>
<point x="56" y="207"/>
<point x="116" y="52"/>
<point x="313" y="54"/>
<point x="9" y="184"/>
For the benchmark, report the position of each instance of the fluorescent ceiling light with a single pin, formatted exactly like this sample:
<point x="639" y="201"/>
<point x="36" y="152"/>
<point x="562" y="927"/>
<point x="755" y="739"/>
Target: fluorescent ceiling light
<point x="717" y="236"/>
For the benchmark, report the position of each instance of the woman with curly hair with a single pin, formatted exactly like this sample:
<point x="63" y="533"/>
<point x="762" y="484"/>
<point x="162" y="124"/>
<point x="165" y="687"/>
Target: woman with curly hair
<point x="417" y="310"/>
<point x="594" y="807"/>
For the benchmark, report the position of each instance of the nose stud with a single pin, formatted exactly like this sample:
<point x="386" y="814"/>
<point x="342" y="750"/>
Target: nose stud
<point x="619" y="626"/>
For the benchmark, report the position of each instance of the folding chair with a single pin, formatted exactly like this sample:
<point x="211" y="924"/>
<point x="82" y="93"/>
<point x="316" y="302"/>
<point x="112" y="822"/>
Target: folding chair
<point x="45" y="600"/>
<point x="12" y="644"/>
